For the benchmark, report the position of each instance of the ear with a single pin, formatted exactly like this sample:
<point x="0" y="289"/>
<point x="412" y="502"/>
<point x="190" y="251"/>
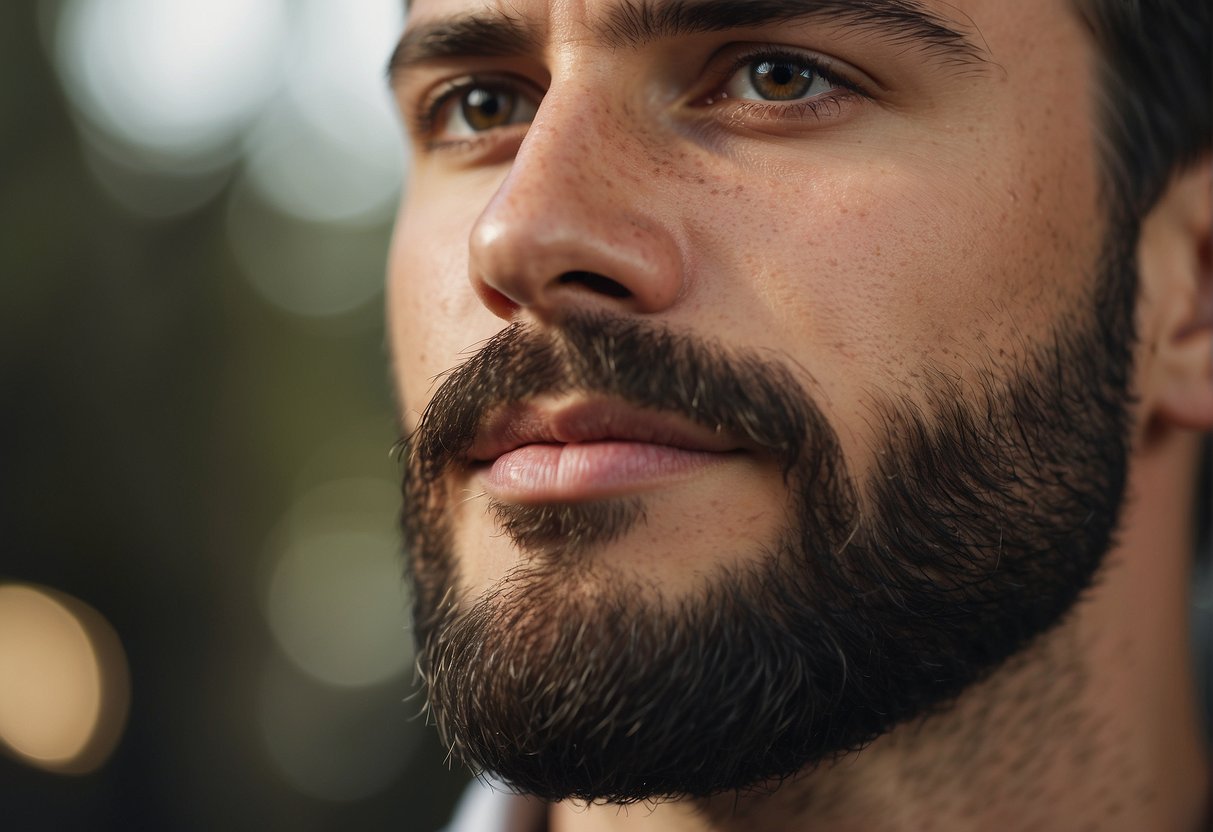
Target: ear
<point x="1175" y="257"/>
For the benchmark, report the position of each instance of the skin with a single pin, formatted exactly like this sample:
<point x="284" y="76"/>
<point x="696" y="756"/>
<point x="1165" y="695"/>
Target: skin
<point x="950" y="221"/>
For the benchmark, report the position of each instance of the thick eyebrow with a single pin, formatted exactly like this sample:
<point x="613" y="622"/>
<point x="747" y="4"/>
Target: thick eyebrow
<point x="482" y="34"/>
<point x="634" y="23"/>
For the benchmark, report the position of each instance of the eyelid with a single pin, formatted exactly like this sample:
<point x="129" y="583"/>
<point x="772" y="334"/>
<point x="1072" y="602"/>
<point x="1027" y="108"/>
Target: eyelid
<point x="848" y="95"/>
<point x="738" y="56"/>
<point x="722" y="65"/>
<point x="425" y="116"/>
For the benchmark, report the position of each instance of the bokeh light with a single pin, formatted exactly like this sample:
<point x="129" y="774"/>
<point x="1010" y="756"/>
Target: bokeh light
<point x="310" y="270"/>
<point x="329" y="150"/>
<point x="205" y="210"/>
<point x="63" y="680"/>
<point x="336" y="744"/>
<point x="177" y="81"/>
<point x="174" y="100"/>
<point x="146" y="191"/>
<point x="333" y="715"/>
<point x="335" y="597"/>
<point x="306" y="166"/>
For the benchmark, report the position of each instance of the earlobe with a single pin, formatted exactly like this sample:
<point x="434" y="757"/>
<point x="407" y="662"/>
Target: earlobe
<point x="1186" y="400"/>
<point x="1177" y="293"/>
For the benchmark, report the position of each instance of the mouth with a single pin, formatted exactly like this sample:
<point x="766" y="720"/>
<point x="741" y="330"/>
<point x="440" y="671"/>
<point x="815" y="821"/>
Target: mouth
<point x="590" y="449"/>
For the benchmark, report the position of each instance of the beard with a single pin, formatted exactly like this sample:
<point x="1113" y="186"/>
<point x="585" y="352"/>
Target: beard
<point x="986" y="515"/>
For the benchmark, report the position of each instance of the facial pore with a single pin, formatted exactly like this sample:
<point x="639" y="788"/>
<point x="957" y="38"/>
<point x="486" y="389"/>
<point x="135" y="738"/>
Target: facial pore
<point x="982" y="522"/>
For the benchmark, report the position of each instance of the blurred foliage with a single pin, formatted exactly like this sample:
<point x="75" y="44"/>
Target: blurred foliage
<point x="159" y="418"/>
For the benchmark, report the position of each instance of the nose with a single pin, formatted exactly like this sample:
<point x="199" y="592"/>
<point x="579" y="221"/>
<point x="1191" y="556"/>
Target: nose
<point x="573" y="224"/>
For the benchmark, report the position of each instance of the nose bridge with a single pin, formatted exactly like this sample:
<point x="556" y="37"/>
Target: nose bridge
<point x="562" y="167"/>
<point x="573" y="211"/>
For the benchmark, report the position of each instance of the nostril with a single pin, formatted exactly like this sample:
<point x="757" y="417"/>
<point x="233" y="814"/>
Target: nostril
<point x="595" y="283"/>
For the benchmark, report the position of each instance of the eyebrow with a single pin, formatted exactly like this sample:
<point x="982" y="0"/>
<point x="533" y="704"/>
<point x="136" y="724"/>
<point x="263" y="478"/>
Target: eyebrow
<point x="483" y="34"/>
<point x="635" y="23"/>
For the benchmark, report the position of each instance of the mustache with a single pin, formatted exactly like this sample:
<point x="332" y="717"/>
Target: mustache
<point x="647" y="365"/>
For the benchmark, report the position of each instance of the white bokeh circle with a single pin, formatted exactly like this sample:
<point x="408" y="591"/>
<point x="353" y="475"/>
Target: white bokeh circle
<point x="180" y="79"/>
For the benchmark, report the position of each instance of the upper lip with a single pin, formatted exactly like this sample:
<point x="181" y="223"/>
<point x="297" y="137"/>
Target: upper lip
<point x="591" y="420"/>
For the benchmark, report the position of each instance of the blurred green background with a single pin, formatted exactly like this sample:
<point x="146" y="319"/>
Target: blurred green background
<point x="195" y="204"/>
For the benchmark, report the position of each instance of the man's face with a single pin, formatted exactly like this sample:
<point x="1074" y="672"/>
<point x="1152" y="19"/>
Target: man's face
<point x="880" y="218"/>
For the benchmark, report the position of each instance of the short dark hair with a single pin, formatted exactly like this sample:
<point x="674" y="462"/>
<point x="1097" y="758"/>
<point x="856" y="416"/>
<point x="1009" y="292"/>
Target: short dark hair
<point x="1157" y="121"/>
<point x="1157" y="93"/>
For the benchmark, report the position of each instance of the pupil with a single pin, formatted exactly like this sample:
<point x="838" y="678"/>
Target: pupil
<point x="484" y="109"/>
<point x="484" y="101"/>
<point x="782" y="74"/>
<point x="782" y="81"/>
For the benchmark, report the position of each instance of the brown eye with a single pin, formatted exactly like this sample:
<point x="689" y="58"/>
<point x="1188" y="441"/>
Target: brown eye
<point x="781" y="80"/>
<point x="471" y="107"/>
<point x="484" y="108"/>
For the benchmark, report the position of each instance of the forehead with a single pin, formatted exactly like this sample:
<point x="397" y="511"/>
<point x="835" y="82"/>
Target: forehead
<point x="538" y="11"/>
<point x="961" y="32"/>
<point x="465" y="28"/>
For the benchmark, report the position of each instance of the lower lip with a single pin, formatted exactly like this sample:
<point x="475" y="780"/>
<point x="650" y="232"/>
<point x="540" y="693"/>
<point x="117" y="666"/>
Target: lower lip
<point x="590" y="470"/>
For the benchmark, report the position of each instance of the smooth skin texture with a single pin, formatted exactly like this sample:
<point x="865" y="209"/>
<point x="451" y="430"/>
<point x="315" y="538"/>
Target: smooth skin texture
<point x="947" y="215"/>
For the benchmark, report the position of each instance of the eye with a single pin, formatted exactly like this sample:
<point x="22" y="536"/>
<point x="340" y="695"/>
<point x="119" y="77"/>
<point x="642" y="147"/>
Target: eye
<point x="469" y="108"/>
<point x="777" y="78"/>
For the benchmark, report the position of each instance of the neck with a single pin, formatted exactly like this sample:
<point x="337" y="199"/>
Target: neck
<point x="1096" y="726"/>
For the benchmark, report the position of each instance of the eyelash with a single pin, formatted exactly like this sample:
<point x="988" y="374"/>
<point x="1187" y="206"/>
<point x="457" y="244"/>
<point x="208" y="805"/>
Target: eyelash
<point x="819" y="66"/>
<point x="425" y="120"/>
<point x="820" y="107"/>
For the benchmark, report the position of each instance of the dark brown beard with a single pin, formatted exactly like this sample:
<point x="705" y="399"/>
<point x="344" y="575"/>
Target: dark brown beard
<point x="985" y="520"/>
<point x="568" y="529"/>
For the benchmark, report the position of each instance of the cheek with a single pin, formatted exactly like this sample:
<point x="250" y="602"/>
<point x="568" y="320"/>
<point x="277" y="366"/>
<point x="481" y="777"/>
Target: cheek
<point x="946" y="238"/>
<point x="433" y="315"/>
<point x="943" y="258"/>
<point x="871" y="273"/>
